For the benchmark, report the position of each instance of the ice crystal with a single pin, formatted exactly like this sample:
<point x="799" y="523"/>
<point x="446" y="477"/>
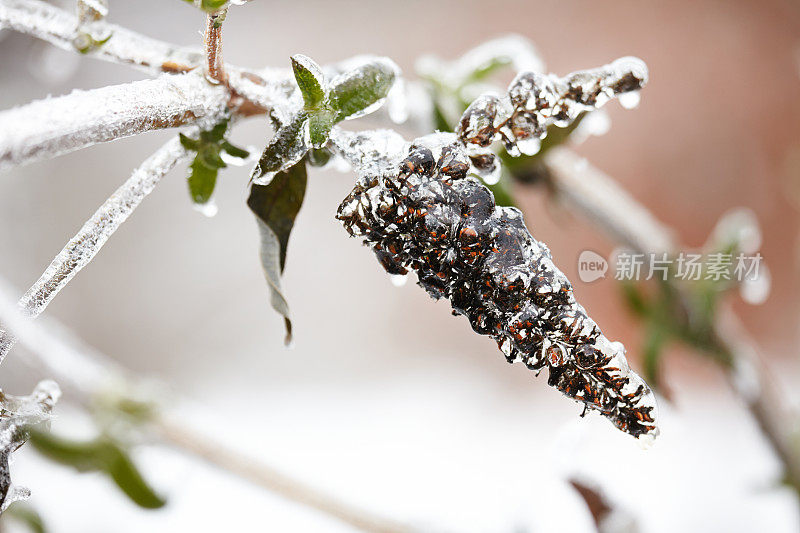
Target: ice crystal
<point x="16" y="414"/>
<point x="429" y="216"/>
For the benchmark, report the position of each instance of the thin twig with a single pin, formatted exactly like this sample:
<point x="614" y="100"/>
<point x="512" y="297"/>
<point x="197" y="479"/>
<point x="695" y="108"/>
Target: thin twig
<point x="58" y="27"/>
<point x="596" y="196"/>
<point x="82" y="248"/>
<point x="88" y="374"/>
<point x="265" y="476"/>
<point x="55" y="126"/>
<point x="212" y="39"/>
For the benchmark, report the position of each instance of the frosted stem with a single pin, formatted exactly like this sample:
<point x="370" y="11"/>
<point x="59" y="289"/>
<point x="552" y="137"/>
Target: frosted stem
<point x="89" y="374"/>
<point x="265" y="476"/>
<point x="215" y="70"/>
<point x="58" y="27"/>
<point x="596" y="196"/>
<point x="55" y="126"/>
<point x="82" y="248"/>
<point x="600" y="199"/>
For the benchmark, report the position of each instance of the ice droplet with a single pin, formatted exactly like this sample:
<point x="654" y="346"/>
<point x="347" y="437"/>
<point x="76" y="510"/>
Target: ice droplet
<point x="629" y="100"/>
<point x="529" y="146"/>
<point x="208" y="209"/>
<point x="397" y="102"/>
<point x="398" y="280"/>
<point x="15" y="494"/>
<point x="493" y="177"/>
<point x="755" y="291"/>
<point x="234" y="161"/>
<point x="595" y="123"/>
<point x="738" y="227"/>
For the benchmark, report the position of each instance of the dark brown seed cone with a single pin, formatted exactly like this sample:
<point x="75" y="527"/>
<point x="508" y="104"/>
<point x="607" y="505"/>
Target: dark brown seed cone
<point x="445" y="226"/>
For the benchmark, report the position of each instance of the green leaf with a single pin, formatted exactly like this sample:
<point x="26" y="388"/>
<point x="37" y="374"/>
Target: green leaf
<point x="320" y="123"/>
<point x="276" y="206"/>
<point x="503" y="196"/>
<point x="286" y="149"/>
<point x="657" y="337"/>
<point x="203" y="170"/>
<point x="202" y="180"/>
<point x="102" y="455"/>
<point x="189" y="143"/>
<point x="634" y="298"/>
<point x="128" y="478"/>
<point x="209" y="156"/>
<point x="488" y="68"/>
<point x="353" y="92"/>
<point x="209" y="6"/>
<point x="26" y="514"/>
<point x="310" y="80"/>
<point x="235" y="151"/>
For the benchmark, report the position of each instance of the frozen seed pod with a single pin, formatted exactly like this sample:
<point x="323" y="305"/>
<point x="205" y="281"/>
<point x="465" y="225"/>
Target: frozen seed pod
<point x="534" y="101"/>
<point x="430" y="217"/>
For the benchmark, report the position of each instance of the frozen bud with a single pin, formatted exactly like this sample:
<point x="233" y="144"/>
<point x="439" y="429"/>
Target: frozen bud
<point x="477" y="123"/>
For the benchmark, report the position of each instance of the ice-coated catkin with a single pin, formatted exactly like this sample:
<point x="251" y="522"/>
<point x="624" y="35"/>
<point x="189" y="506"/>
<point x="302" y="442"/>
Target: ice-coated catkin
<point x="432" y="218"/>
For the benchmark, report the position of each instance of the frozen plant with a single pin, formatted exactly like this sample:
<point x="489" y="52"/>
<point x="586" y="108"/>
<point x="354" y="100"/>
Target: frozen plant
<point x="438" y="205"/>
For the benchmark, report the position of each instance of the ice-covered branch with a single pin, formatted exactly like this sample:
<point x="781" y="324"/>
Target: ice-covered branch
<point x="600" y="199"/>
<point x="59" y="28"/>
<point x="89" y="374"/>
<point x="17" y="413"/>
<point x="596" y="196"/>
<point x="265" y="476"/>
<point x="95" y="232"/>
<point x="56" y="126"/>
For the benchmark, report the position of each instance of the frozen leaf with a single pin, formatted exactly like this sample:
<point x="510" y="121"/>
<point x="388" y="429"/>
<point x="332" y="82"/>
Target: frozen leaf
<point x="276" y="206"/>
<point x="208" y="160"/>
<point x="209" y="6"/>
<point x="202" y="180"/>
<point x="376" y="152"/>
<point x="27" y="515"/>
<point x="309" y="79"/>
<point x="102" y="454"/>
<point x="482" y="61"/>
<point x="287" y="148"/>
<point x="361" y="90"/>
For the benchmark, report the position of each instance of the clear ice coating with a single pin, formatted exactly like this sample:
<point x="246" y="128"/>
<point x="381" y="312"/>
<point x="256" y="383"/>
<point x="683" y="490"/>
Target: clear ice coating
<point x="16" y="414"/>
<point x="55" y="126"/>
<point x="82" y="248"/>
<point x="534" y="101"/>
<point x="429" y="216"/>
<point x="58" y="27"/>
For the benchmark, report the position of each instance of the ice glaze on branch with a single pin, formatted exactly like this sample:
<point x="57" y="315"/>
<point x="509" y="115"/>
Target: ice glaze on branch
<point x="55" y="126"/>
<point x="82" y="248"/>
<point x="58" y="27"/>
